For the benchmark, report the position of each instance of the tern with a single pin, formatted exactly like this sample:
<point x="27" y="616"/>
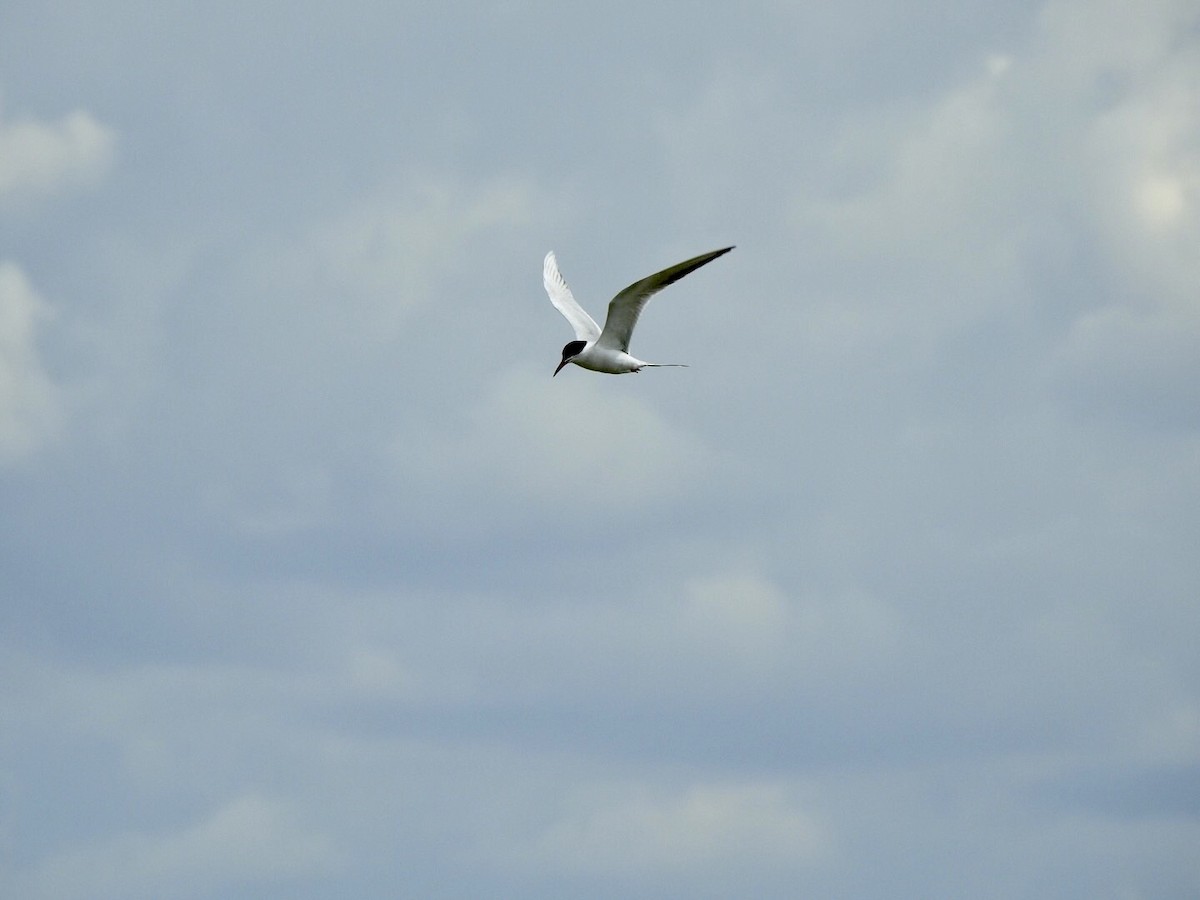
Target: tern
<point x="608" y="350"/>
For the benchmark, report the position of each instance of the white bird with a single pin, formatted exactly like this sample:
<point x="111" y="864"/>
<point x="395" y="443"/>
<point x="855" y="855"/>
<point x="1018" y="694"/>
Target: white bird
<point x="608" y="350"/>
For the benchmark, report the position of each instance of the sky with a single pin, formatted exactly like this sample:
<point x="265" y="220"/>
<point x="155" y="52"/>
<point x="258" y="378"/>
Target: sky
<point x="314" y="583"/>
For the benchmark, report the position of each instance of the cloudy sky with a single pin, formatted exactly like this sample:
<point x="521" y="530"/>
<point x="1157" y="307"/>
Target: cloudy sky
<point x="314" y="584"/>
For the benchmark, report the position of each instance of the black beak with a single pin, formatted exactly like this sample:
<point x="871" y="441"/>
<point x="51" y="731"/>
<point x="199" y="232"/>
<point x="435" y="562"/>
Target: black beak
<point x="560" y="365"/>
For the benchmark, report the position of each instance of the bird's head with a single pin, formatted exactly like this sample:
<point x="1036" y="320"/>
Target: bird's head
<point x="570" y="351"/>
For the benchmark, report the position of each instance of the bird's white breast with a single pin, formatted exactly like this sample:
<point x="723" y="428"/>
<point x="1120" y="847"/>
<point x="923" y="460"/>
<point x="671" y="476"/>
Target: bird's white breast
<point x="602" y="359"/>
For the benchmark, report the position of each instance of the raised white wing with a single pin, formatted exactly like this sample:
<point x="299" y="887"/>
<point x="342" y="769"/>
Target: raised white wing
<point x="625" y="308"/>
<point x="585" y="326"/>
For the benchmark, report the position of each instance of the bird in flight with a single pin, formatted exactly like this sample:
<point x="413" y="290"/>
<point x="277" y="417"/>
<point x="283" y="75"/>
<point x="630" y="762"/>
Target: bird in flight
<point x="608" y="350"/>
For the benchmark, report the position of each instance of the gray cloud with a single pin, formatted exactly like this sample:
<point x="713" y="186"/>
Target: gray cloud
<point x="316" y="583"/>
<point x="30" y="403"/>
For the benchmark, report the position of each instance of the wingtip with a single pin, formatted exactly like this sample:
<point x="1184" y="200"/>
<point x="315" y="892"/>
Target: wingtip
<point x="716" y="254"/>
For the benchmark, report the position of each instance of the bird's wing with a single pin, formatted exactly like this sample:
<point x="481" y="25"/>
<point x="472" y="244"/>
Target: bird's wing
<point x="625" y="308"/>
<point x="585" y="326"/>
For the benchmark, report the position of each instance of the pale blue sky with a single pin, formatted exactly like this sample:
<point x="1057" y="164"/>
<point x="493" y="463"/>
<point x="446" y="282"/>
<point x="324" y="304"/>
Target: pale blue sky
<point x="314" y="584"/>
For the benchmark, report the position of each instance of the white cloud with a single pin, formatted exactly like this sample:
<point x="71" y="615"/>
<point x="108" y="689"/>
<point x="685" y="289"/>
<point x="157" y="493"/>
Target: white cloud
<point x="1087" y="39"/>
<point x="388" y="252"/>
<point x="38" y="158"/>
<point x="1135" y="352"/>
<point x="757" y="631"/>
<point x="248" y="839"/>
<point x="1143" y="159"/>
<point x="585" y="450"/>
<point x="746" y="613"/>
<point x="1061" y="178"/>
<point x="618" y="829"/>
<point x="929" y="197"/>
<point x="30" y="405"/>
<point x="726" y="638"/>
